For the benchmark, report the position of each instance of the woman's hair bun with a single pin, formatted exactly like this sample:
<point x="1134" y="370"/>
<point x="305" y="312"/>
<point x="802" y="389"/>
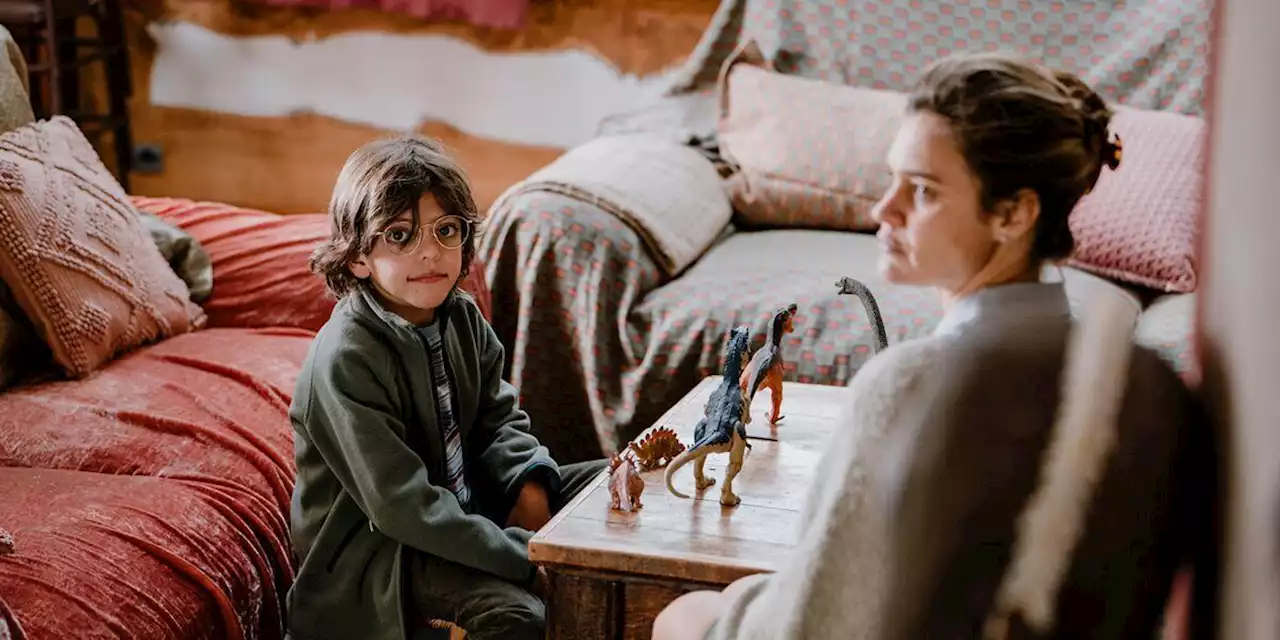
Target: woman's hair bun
<point x="1095" y="115"/>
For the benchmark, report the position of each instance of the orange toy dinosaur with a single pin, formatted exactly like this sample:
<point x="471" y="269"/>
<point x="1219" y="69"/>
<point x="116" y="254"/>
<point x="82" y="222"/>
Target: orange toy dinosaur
<point x="766" y="366"/>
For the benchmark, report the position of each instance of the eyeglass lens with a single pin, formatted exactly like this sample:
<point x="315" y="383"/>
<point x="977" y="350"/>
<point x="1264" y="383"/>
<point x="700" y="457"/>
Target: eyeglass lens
<point x="449" y="231"/>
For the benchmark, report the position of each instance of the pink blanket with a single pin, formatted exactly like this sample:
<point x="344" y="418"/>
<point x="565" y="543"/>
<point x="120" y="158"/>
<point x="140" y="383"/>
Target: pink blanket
<point x="499" y="14"/>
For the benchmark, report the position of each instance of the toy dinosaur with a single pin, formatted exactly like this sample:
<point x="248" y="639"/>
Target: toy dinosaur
<point x="849" y="286"/>
<point x="722" y="429"/>
<point x="6" y="543"/>
<point x="657" y="448"/>
<point x="625" y="484"/>
<point x="766" y="366"/>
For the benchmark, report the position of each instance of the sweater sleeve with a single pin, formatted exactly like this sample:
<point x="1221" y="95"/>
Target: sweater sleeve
<point x="352" y="423"/>
<point x="509" y="451"/>
<point x="831" y="584"/>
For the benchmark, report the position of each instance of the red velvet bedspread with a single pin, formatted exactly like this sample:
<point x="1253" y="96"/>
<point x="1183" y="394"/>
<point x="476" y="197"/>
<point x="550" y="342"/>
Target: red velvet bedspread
<point x="151" y="500"/>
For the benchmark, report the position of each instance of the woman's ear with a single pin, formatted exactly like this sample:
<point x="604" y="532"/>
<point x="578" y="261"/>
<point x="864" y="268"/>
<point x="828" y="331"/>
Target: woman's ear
<point x="1016" y="217"/>
<point x="359" y="268"/>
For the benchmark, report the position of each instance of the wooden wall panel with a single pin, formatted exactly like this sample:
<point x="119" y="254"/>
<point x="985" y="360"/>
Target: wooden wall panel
<point x="288" y="163"/>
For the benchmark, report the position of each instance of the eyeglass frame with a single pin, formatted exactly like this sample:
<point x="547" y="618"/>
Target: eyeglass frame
<point x="399" y="249"/>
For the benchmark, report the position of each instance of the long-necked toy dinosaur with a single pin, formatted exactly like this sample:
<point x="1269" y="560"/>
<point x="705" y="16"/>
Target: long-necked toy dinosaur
<point x="722" y="429"/>
<point x="766" y="366"/>
<point x="849" y="286"/>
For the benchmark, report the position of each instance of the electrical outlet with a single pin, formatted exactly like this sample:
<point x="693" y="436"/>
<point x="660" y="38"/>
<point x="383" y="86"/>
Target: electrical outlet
<point x="148" y="158"/>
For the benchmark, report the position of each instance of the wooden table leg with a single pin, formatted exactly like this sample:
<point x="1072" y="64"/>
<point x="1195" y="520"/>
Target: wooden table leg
<point x="584" y="605"/>
<point x="580" y="607"/>
<point x="643" y="602"/>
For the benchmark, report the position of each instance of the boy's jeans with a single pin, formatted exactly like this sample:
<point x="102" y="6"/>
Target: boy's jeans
<point x="484" y="605"/>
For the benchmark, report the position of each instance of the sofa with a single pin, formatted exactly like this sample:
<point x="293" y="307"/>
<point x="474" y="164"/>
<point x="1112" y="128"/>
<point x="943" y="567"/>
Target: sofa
<point x="617" y="269"/>
<point x="150" y="346"/>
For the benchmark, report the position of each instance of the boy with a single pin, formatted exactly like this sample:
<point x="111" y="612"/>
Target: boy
<point x="418" y="484"/>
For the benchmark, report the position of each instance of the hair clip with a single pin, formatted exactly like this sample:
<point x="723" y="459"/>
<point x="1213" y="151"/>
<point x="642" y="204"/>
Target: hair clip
<point x="1114" y="150"/>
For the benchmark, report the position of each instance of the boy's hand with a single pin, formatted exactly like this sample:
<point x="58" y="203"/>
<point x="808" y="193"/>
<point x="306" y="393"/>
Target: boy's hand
<point x="532" y="509"/>
<point x="541" y="584"/>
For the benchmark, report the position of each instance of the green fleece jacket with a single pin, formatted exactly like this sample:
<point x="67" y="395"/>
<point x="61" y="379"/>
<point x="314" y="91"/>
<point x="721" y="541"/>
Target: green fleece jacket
<point x="370" y="460"/>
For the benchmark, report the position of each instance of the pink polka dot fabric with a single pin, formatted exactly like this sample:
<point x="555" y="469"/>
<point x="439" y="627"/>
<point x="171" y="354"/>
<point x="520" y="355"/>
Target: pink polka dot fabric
<point x="1139" y="225"/>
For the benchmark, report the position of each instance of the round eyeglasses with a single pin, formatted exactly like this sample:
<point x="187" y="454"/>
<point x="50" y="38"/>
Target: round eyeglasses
<point x="449" y="231"/>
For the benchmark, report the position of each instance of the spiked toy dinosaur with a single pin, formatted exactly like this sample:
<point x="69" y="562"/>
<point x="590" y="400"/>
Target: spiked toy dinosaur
<point x="766" y="366"/>
<point x="722" y="429"/>
<point x="849" y="286"/>
<point x="625" y="484"/>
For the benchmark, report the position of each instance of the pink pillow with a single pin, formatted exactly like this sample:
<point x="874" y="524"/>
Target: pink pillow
<point x="75" y="254"/>
<point x="261" y="272"/>
<point x="805" y="153"/>
<point x="1139" y="225"/>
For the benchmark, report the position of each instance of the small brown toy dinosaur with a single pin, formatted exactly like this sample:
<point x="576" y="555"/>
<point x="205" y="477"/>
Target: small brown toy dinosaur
<point x="657" y="448"/>
<point x="766" y="366"/>
<point x="625" y="484"/>
<point x="6" y="542"/>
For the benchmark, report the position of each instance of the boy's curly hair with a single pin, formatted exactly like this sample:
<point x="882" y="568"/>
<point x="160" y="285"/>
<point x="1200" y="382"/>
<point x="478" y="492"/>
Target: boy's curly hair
<point x="380" y="181"/>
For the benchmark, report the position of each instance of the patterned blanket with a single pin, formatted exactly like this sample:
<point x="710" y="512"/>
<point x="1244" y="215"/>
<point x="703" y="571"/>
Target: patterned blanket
<point x="601" y="341"/>
<point x="661" y="188"/>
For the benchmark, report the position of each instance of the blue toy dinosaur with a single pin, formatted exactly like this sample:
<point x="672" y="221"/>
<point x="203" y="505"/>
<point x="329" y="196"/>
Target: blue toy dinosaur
<point x="722" y="429"/>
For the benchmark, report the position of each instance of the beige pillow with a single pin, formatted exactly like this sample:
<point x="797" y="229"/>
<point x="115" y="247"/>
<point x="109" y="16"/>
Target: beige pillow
<point x="75" y="254"/>
<point x="805" y="153"/>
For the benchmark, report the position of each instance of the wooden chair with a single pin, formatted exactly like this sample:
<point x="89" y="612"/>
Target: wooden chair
<point x="56" y="55"/>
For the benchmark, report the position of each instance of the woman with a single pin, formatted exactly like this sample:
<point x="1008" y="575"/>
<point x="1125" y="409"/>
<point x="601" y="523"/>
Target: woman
<point x="993" y="155"/>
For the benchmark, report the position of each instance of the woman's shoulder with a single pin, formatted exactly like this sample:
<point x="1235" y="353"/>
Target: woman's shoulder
<point x="900" y="362"/>
<point x="891" y="380"/>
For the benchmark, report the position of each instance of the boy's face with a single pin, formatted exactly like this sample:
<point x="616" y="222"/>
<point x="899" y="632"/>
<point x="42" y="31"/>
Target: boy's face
<point x="413" y="270"/>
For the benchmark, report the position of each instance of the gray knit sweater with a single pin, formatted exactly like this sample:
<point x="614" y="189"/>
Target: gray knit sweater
<point x="832" y="584"/>
<point x="813" y="595"/>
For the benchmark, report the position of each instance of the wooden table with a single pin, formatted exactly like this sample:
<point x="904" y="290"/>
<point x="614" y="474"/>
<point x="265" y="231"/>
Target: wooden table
<point x="612" y="572"/>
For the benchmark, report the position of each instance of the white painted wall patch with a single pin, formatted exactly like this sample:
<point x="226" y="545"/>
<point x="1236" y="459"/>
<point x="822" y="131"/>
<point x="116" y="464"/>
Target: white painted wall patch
<point x="397" y="81"/>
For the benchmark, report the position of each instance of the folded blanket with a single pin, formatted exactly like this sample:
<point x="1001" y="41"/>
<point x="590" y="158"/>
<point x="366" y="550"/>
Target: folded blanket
<point x="664" y="190"/>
